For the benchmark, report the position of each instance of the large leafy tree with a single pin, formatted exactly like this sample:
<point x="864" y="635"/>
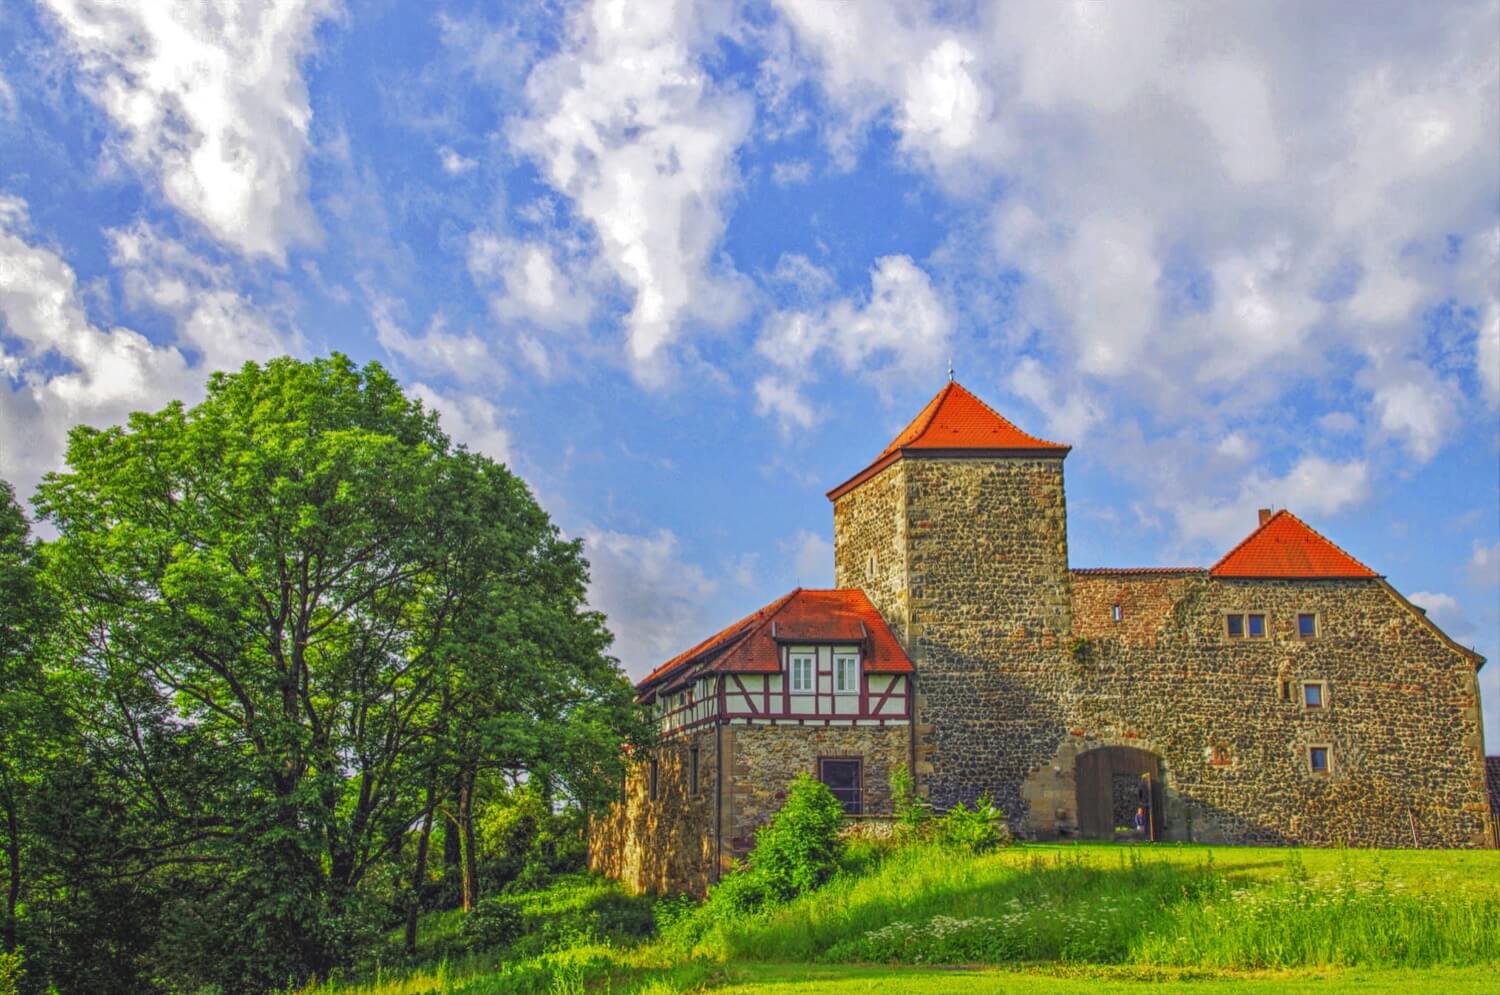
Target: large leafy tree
<point x="302" y="618"/>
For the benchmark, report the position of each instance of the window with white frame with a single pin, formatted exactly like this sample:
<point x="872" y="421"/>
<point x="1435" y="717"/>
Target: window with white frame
<point x="803" y="667"/>
<point x="846" y="672"/>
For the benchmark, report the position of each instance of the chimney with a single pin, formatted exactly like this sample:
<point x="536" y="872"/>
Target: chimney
<point x="1265" y="515"/>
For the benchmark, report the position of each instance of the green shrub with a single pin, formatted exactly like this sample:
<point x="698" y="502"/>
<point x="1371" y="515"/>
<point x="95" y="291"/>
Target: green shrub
<point x="913" y="812"/>
<point x="495" y="922"/>
<point x="10" y="973"/>
<point x="976" y="831"/>
<point x="799" y="848"/>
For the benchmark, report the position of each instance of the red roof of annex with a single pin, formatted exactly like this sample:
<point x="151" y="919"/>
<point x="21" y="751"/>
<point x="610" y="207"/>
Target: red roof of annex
<point x="955" y="420"/>
<point x="751" y="644"/>
<point x="1284" y="546"/>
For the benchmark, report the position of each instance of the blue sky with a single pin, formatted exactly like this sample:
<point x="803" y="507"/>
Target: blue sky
<point x="685" y="267"/>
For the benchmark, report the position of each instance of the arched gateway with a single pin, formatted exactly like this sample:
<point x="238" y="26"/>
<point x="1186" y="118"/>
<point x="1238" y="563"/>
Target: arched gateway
<point x="1112" y="782"/>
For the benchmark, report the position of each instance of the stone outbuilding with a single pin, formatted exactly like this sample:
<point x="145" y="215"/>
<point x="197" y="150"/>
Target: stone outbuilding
<point x="1285" y="695"/>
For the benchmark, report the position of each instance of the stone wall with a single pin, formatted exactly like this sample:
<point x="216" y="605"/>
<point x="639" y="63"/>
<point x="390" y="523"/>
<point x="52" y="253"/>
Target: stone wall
<point x="1401" y="718"/>
<point x="870" y="522"/>
<point x="665" y="845"/>
<point x="766" y="758"/>
<point x="989" y="616"/>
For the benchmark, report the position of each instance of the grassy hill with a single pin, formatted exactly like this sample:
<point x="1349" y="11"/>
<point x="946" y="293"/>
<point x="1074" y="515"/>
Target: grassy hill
<point x="1034" y="918"/>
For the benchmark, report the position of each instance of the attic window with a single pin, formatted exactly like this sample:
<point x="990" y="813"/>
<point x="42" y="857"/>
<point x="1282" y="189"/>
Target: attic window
<point x="1115" y="613"/>
<point x="802" y="672"/>
<point x="846" y="672"/>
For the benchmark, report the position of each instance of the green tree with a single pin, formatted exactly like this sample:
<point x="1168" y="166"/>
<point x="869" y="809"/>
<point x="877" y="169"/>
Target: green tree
<point x="299" y="615"/>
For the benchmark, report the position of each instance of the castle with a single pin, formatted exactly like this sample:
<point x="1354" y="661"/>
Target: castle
<point x="1286" y="695"/>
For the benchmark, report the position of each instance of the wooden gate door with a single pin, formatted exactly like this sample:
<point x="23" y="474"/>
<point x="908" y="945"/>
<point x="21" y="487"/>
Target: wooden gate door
<point x="1096" y="773"/>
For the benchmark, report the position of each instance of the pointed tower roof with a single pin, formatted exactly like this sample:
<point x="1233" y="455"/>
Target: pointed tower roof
<point x="1284" y="546"/>
<point x="958" y="423"/>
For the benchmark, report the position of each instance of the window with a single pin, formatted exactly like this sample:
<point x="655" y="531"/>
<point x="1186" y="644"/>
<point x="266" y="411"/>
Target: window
<point x="1219" y="755"/>
<point x="1317" y="759"/>
<point x="1286" y="690"/>
<point x="1313" y="694"/>
<point x="693" y="771"/>
<point x="846" y="672"/>
<point x="843" y="779"/>
<point x="803" y="670"/>
<point x="1115" y="613"/>
<point x="653" y="778"/>
<point x="1307" y="626"/>
<point x="1237" y="626"/>
<point x="870" y="567"/>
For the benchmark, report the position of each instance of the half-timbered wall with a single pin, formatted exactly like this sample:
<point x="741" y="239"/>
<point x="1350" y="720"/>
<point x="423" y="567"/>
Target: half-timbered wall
<point x="764" y="699"/>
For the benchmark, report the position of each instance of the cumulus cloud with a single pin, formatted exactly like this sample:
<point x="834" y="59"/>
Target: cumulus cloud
<point x="626" y="123"/>
<point x="1313" y="487"/>
<point x="810" y="557"/>
<point x="210" y="99"/>
<point x="655" y="599"/>
<point x="901" y="330"/>
<point x="1445" y="610"/>
<point x="1484" y="565"/>
<point x="436" y="350"/>
<point x="62" y="367"/>
<point x="468" y="418"/>
<point x="454" y="164"/>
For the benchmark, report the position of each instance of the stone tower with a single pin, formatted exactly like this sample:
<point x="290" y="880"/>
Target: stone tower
<point x="958" y="534"/>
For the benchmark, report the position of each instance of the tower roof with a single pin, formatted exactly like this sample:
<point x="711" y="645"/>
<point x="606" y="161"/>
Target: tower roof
<point x="957" y="422"/>
<point x="1284" y="546"/>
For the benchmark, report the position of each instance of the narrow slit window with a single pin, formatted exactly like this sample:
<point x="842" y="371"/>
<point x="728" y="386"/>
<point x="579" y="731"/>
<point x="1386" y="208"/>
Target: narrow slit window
<point x="693" y="770"/>
<point x="1115" y="613"/>
<point x="1307" y="626"/>
<point x="1317" y="759"/>
<point x="1286" y="690"/>
<point x="655" y="771"/>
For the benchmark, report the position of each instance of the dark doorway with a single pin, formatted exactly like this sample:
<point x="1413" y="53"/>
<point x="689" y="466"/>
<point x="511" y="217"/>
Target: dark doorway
<point x="1113" y="781"/>
<point x="844" y="780"/>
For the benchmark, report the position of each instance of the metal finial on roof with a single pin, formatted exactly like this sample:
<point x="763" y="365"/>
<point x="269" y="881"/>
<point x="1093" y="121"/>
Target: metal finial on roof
<point x="950" y="369"/>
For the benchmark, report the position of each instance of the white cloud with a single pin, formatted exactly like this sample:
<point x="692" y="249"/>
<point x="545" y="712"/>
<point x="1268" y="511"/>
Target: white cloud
<point x="1487" y="353"/>
<point x="208" y="96"/>
<point x="526" y="281"/>
<point x="9" y="106"/>
<point x="626" y="123"/>
<point x="656" y="601"/>
<point x="1070" y="414"/>
<point x="901" y="330"/>
<point x="468" y="418"/>
<point x="213" y="318"/>
<point x="1484" y="565"/>
<point x="455" y="164"/>
<point x="66" y="370"/>
<point x="1443" y="609"/>
<point x="1313" y="487"/>
<point x="437" y="350"/>
<point x="810" y="557"/>
<point x="1417" y="408"/>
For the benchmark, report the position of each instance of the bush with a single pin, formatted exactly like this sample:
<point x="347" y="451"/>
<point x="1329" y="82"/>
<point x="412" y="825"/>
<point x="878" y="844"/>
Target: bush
<point x="913" y="812"/>
<point x="799" y="848"/>
<point x="976" y="831"/>
<point x="10" y="973"/>
<point x="495" y="922"/>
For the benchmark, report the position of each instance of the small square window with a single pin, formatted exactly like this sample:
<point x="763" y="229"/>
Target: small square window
<point x="1219" y="755"/>
<point x="1236" y="625"/>
<point x="1307" y="625"/>
<point x="1115" y="613"/>
<point x="1255" y="625"/>
<point x="1317" y="759"/>
<point x="1312" y="694"/>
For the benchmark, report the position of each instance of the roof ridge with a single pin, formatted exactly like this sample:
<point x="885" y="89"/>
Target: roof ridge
<point x="983" y="404"/>
<point x="919" y="425"/>
<point x="1253" y="533"/>
<point x="1288" y="513"/>
<point x="1270" y="521"/>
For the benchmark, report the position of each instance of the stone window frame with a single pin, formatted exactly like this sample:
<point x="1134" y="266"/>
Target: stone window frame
<point x="1322" y="686"/>
<point x="792" y="659"/>
<point x="855" y="758"/>
<point x="1219" y="755"/>
<point x="1327" y="749"/>
<point x="1317" y="618"/>
<point x="871" y="568"/>
<point x="1244" y="615"/>
<point x="1116" y="613"/>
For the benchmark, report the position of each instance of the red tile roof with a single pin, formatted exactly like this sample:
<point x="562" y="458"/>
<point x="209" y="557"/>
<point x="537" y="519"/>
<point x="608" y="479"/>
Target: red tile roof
<point x="955" y="420"/>
<point x="751" y="644"/>
<point x="1284" y="546"/>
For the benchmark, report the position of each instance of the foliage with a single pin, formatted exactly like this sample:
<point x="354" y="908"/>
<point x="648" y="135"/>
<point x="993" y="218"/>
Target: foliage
<point x="978" y="830"/>
<point x="10" y="973"/>
<point x="275" y="633"/>
<point x="798" y="849"/>
<point x="913" y="812"/>
<point x="494" y="922"/>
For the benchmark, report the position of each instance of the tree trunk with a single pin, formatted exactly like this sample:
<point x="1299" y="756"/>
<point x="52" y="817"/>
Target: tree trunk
<point x="419" y="876"/>
<point x="452" y="849"/>
<point x="466" y="825"/>
<point x="13" y="869"/>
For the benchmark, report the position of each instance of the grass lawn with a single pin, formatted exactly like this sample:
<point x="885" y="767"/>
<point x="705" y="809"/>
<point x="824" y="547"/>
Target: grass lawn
<point x="1033" y="918"/>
